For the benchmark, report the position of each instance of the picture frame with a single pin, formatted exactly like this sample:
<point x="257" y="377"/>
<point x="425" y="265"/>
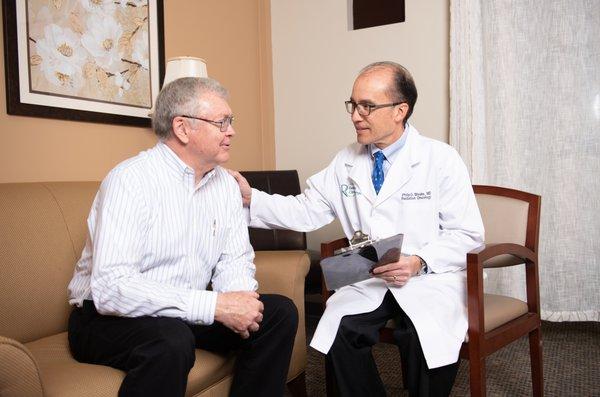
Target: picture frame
<point x="97" y="61"/>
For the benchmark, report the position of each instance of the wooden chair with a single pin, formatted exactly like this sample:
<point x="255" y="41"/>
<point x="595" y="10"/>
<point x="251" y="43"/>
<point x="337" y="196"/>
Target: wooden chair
<point x="511" y="219"/>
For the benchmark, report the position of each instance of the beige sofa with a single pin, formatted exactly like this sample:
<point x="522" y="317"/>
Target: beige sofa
<point x="42" y="232"/>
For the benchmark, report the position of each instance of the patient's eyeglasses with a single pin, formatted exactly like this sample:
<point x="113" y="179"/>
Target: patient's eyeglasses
<point x="222" y="124"/>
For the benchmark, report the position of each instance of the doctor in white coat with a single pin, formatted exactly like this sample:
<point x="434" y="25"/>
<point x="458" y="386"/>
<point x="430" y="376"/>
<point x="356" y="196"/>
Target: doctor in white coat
<point x="393" y="180"/>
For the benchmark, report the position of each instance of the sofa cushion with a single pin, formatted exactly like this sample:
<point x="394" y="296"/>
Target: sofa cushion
<point x="63" y="376"/>
<point x="37" y="260"/>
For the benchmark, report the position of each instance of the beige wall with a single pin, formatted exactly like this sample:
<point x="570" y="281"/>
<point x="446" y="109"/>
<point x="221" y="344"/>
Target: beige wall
<point x="231" y="36"/>
<point x="315" y="61"/>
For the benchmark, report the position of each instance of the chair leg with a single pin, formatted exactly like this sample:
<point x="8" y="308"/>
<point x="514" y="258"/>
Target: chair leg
<point x="477" y="377"/>
<point x="535" y="353"/>
<point x="297" y="386"/>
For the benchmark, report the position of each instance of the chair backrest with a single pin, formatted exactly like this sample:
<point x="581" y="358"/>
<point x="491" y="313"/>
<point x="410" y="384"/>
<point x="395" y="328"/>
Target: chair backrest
<point x="42" y="232"/>
<point x="509" y="216"/>
<point x="275" y="182"/>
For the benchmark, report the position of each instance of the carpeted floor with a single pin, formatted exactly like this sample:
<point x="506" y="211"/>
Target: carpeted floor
<point x="571" y="365"/>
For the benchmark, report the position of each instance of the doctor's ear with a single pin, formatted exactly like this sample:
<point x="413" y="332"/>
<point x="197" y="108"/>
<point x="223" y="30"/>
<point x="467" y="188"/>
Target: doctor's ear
<point x="401" y="112"/>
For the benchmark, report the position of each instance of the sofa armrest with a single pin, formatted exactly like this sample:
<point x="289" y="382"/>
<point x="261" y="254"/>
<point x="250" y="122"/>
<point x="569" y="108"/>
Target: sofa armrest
<point x="19" y="375"/>
<point x="283" y="272"/>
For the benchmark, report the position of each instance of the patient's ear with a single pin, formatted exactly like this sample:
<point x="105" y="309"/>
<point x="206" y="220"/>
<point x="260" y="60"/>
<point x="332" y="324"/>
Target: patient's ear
<point x="180" y="130"/>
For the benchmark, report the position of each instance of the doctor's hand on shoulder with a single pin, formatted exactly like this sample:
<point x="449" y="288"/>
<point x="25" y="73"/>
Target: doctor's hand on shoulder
<point x="245" y="188"/>
<point x="398" y="273"/>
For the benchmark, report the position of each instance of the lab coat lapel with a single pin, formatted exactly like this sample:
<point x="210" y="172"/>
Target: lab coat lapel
<point x="402" y="168"/>
<point x="359" y="171"/>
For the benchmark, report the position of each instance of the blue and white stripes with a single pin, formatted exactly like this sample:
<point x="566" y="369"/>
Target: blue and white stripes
<point x="157" y="240"/>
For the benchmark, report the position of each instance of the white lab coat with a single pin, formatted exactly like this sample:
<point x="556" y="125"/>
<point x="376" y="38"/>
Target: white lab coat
<point x="426" y="195"/>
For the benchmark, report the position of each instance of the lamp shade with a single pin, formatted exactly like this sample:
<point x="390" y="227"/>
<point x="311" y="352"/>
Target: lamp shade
<point x="184" y="67"/>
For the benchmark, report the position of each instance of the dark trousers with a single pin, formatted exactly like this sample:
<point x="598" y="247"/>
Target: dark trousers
<point x="351" y="361"/>
<point x="158" y="352"/>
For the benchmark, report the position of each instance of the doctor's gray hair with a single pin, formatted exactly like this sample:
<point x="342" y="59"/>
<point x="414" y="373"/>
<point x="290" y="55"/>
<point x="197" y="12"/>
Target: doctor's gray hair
<point x="180" y="97"/>
<point x="403" y="88"/>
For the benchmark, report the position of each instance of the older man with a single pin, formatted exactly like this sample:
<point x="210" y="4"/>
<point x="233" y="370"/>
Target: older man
<point x="164" y="225"/>
<point x="393" y="180"/>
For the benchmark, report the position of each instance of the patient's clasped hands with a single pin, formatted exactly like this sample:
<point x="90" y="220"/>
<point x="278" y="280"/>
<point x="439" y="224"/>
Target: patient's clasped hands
<point x="239" y="311"/>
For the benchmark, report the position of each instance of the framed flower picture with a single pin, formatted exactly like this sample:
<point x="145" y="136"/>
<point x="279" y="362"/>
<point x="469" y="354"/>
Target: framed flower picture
<point x="87" y="60"/>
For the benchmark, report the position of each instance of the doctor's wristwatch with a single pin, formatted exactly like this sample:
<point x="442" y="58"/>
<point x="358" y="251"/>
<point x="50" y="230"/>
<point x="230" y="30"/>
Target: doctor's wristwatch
<point x="424" y="269"/>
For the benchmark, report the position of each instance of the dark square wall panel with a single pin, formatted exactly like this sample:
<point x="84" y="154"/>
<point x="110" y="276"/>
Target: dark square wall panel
<point x="370" y="13"/>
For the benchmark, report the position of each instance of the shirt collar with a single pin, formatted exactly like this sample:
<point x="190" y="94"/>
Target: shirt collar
<point x="391" y="151"/>
<point x="177" y="167"/>
<point x="172" y="160"/>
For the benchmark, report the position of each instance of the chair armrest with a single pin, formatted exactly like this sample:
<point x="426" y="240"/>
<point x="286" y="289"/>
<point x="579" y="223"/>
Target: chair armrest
<point x="497" y="255"/>
<point x="328" y="248"/>
<point x="19" y="375"/>
<point x="500" y="255"/>
<point x="284" y="272"/>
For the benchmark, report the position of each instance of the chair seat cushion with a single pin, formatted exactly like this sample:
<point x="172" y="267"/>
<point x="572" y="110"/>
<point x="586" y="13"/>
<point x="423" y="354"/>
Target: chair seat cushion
<point x="63" y="376"/>
<point x="498" y="310"/>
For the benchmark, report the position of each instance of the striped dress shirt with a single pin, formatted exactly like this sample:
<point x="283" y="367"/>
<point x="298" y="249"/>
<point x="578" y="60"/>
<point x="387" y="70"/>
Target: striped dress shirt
<point x="156" y="239"/>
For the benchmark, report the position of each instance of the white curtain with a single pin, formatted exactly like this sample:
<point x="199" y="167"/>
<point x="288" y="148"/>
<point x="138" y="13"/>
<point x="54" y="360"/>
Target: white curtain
<point x="525" y="114"/>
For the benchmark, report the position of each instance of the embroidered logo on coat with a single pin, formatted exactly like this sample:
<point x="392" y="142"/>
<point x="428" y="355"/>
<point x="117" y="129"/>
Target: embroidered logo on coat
<point x="349" y="190"/>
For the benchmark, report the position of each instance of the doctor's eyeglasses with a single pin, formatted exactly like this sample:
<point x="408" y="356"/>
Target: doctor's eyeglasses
<point x="222" y="124"/>
<point x="365" y="109"/>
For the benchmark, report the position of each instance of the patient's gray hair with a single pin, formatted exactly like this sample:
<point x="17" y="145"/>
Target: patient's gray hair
<point x="180" y="97"/>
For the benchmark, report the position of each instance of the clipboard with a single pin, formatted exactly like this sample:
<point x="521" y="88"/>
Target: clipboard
<point x="356" y="262"/>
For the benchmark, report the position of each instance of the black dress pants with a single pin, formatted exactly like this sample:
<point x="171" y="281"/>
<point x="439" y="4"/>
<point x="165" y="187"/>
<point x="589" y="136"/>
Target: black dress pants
<point x="353" y="366"/>
<point x="157" y="353"/>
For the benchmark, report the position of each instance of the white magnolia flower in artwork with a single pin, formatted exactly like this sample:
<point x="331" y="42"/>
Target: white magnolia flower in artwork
<point x="122" y="83"/>
<point x="102" y="41"/>
<point x="133" y="3"/>
<point x="103" y="7"/>
<point x="140" y="49"/>
<point x="62" y="56"/>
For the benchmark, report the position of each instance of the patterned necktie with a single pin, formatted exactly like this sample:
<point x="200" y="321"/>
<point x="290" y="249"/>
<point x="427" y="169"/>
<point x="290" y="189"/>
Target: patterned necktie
<point x="377" y="175"/>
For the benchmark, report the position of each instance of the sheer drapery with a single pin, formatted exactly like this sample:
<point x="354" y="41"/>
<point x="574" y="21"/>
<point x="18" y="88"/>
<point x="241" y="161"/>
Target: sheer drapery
<point x="525" y="113"/>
